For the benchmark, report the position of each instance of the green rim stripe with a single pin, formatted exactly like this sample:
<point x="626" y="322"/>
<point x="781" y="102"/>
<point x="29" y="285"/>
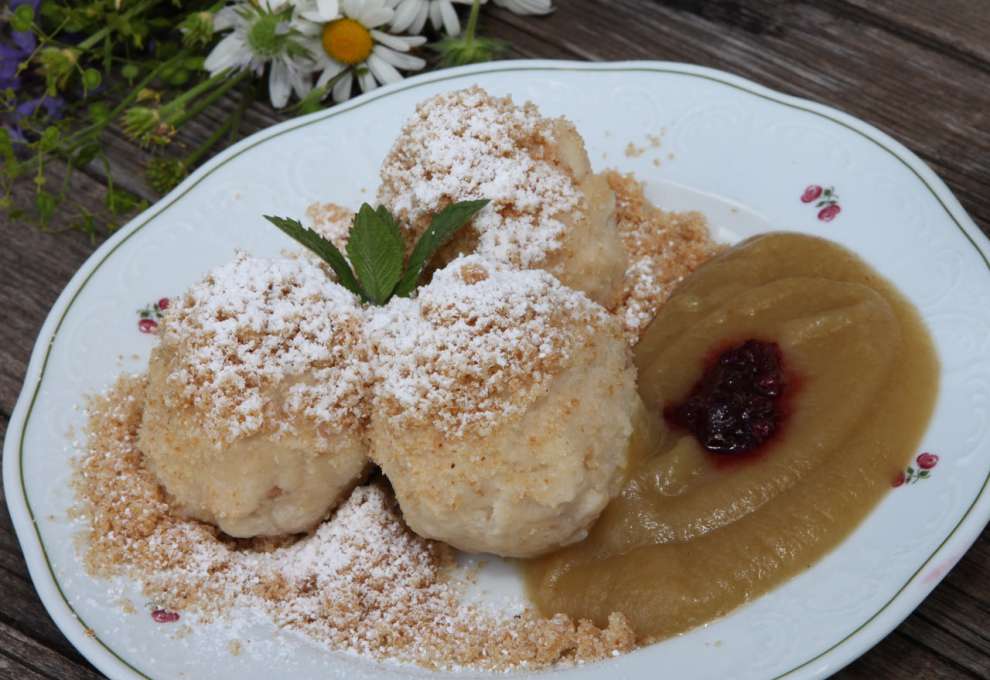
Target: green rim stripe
<point x="374" y="97"/>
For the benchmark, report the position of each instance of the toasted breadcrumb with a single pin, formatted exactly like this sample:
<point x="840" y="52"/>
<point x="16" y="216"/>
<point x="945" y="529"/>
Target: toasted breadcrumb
<point x="478" y="345"/>
<point x="663" y="247"/>
<point x="256" y="323"/>
<point x="361" y="583"/>
<point x="467" y="145"/>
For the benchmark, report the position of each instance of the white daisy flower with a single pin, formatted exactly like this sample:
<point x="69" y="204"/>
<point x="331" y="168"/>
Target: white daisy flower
<point x="410" y="15"/>
<point x="526" y="6"/>
<point x="346" y="40"/>
<point x="261" y="35"/>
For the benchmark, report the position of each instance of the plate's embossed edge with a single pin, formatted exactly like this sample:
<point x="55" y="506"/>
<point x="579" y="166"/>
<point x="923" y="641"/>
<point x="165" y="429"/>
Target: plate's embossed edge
<point x="712" y="75"/>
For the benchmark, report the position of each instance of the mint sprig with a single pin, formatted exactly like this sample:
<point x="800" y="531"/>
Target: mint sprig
<point x="323" y="248"/>
<point x="376" y="250"/>
<point x="442" y="228"/>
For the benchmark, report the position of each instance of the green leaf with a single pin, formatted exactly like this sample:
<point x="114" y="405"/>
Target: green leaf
<point x="98" y="112"/>
<point x="312" y="102"/>
<point x="6" y="147"/>
<point x="375" y="248"/>
<point x="120" y="202"/>
<point x="178" y="78"/>
<point x="23" y="16"/>
<point x="49" y="139"/>
<point x="442" y="228"/>
<point x="323" y="249"/>
<point x="86" y="153"/>
<point x="193" y="63"/>
<point x="459" y="50"/>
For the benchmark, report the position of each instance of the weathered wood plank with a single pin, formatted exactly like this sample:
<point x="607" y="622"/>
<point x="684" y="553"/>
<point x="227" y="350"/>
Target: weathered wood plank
<point x="898" y="657"/>
<point x="956" y="27"/>
<point x="915" y="69"/>
<point x="22" y="656"/>
<point x="940" y="635"/>
<point x="35" y="267"/>
<point x="11" y="669"/>
<point x="935" y="104"/>
<point x="21" y="610"/>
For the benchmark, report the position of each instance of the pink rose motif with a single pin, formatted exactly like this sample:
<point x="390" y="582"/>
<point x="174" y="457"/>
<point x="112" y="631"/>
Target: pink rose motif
<point x="811" y="193"/>
<point x="149" y="317"/>
<point x="912" y="475"/>
<point x="825" y="199"/>
<point x="828" y="213"/>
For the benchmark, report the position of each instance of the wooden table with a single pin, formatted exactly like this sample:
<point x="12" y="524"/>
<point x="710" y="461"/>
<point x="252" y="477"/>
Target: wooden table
<point x="917" y="69"/>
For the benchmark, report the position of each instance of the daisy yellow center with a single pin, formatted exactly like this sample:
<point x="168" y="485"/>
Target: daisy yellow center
<point x="347" y="41"/>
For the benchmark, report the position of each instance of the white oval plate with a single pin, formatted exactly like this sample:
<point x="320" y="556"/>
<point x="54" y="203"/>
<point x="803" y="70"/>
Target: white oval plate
<point x="738" y="144"/>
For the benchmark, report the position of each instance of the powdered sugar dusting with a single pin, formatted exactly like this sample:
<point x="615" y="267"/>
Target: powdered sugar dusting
<point x="478" y="345"/>
<point x="252" y="324"/>
<point x="332" y="222"/>
<point x="467" y="145"/>
<point x="361" y="583"/>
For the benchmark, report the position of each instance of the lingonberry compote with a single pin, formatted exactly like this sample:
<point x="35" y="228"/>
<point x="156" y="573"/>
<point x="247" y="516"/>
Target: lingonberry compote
<point x="736" y="405"/>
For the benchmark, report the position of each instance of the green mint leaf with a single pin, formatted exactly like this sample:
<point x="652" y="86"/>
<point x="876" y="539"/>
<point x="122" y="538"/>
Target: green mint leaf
<point x="323" y="248"/>
<point x="442" y="228"/>
<point x="376" y="251"/>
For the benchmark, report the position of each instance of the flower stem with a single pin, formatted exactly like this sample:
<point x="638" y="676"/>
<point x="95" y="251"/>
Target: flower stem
<point x="126" y="101"/>
<point x="211" y="141"/>
<point x="196" y="90"/>
<point x="105" y="31"/>
<point x="247" y="97"/>
<point x="472" y="24"/>
<point x="205" y="102"/>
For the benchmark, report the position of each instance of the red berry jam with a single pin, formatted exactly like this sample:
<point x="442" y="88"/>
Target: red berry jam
<point x="736" y="405"/>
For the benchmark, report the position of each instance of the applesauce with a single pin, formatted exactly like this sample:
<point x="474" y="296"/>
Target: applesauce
<point x="695" y="534"/>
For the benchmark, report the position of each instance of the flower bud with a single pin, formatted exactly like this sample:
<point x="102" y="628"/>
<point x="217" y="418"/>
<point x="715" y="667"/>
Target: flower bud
<point x="197" y="29"/>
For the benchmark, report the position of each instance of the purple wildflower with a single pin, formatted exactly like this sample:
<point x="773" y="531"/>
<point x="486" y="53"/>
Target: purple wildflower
<point x="17" y="137"/>
<point x="20" y="47"/>
<point x="35" y="4"/>
<point x="10" y="58"/>
<point x="53" y="107"/>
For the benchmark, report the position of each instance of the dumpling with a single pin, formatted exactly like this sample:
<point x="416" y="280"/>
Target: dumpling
<point x="503" y="407"/>
<point x="547" y="211"/>
<point x="257" y="397"/>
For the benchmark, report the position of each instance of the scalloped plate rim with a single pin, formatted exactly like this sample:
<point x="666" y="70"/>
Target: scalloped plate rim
<point x="828" y="661"/>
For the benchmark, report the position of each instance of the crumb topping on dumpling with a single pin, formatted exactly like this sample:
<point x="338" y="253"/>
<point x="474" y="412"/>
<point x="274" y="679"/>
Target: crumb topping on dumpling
<point x="478" y="345"/>
<point x="466" y="145"/>
<point x="257" y="329"/>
